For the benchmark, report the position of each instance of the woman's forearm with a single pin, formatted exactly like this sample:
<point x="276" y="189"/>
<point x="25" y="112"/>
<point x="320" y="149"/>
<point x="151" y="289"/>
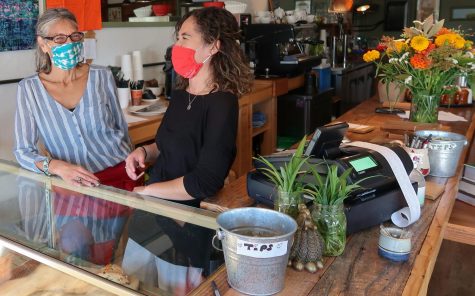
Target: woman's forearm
<point x="152" y="152"/>
<point x="173" y="189"/>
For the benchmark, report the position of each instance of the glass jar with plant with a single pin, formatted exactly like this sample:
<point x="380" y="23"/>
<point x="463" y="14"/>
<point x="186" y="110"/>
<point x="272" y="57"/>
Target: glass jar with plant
<point x="329" y="193"/>
<point x="289" y="190"/>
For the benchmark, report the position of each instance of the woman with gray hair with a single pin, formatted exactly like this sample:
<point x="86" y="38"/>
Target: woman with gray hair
<point x="72" y="107"/>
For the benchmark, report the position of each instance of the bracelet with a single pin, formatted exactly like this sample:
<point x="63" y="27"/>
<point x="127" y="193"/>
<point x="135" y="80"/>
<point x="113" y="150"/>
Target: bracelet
<point x="144" y="151"/>
<point x="46" y="166"/>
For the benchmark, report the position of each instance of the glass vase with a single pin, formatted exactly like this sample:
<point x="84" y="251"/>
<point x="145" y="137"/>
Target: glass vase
<point x="424" y="108"/>
<point x="287" y="203"/>
<point x="331" y="223"/>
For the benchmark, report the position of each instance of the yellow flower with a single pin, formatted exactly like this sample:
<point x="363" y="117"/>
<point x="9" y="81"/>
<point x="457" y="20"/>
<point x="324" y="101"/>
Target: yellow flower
<point x="371" y="55"/>
<point x="419" y="43"/>
<point x="459" y="42"/>
<point x="399" y="45"/>
<point x="448" y="39"/>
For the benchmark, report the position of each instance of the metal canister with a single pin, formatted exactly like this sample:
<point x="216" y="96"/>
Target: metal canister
<point x="256" y="244"/>
<point x="444" y="151"/>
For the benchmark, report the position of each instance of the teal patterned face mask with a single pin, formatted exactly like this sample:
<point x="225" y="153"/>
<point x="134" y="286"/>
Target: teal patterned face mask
<point x="66" y="56"/>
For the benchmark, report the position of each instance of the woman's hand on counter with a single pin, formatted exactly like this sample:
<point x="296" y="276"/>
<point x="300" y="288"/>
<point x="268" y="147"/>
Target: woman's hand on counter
<point x="73" y="174"/>
<point x="140" y="189"/>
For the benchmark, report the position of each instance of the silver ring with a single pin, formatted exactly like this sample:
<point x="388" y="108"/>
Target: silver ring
<point x="78" y="179"/>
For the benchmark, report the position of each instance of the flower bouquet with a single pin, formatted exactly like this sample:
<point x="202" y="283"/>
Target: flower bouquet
<point x="425" y="61"/>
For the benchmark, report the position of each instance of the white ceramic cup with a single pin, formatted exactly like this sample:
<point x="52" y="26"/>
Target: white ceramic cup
<point x="291" y="19"/>
<point x="124" y="97"/>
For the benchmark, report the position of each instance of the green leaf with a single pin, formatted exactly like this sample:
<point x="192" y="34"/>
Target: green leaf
<point x="285" y="177"/>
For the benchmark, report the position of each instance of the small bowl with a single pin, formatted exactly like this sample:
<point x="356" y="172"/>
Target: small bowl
<point x="394" y="244"/>
<point x="218" y="4"/>
<point x="143" y="11"/>
<point x="161" y="9"/>
<point x="156" y="90"/>
<point x="262" y="13"/>
<point x="265" y="19"/>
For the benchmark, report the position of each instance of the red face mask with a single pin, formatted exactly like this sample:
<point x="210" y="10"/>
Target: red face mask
<point x="183" y="60"/>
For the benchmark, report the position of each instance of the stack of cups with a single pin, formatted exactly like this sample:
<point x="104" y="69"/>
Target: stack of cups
<point x="137" y="65"/>
<point x="124" y="97"/>
<point x="124" y="93"/>
<point x="126" y="67"/>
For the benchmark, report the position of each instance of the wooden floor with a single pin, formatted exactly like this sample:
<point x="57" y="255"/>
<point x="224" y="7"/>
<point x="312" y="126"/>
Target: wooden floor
<point x="454" y="272"/>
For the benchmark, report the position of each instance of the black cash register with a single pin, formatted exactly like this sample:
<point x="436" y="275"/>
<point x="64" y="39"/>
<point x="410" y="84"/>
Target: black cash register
<point x="379" y="196"/>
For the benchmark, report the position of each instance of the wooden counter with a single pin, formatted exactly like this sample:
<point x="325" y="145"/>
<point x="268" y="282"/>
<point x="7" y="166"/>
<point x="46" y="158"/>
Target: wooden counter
<point x="360" y="270"/>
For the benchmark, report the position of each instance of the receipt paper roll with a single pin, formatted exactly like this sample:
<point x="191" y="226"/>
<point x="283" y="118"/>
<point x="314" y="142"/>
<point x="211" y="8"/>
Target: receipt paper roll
<point x="407" y="215"/>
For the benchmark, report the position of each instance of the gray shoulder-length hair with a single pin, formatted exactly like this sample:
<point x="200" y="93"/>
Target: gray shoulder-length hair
<point x="49" y="17"/>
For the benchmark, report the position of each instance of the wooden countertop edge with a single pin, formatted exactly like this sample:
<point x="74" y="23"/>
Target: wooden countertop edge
<point x="148" y="120"/>
<point x="425" y="261"/>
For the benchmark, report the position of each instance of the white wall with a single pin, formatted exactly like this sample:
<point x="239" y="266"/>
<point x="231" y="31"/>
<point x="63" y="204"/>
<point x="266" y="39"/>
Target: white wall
<point x="111" y="44"/>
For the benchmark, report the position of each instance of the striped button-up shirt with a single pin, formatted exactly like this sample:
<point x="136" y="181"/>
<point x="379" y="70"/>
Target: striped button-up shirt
<point x="94" y="135"/>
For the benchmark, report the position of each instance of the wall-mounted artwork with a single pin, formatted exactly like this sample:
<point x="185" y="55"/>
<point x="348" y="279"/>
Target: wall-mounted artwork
<point x="17" y="24"/>
<point x="463" y="13"/>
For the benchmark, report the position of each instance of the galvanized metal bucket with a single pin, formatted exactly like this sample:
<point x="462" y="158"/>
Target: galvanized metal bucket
<point x="256" y="244"/>
<point x="444" y="152"/>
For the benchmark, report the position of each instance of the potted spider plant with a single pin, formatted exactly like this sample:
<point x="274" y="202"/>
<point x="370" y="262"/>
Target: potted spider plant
<point x="329" y="193"/>
<point x="289" y="190"/>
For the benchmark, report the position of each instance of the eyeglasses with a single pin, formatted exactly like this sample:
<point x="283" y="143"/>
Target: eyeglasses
<point x="61" y="38"/>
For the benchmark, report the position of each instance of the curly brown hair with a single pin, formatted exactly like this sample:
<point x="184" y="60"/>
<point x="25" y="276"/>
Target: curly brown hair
<point x="229" y="66"/>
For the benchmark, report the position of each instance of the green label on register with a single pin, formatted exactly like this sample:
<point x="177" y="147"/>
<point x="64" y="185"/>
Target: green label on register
<point x="364" y="163"/>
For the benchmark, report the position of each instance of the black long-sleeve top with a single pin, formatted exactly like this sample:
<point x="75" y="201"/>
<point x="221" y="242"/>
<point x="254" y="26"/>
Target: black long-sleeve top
<point x="199" y="144"/>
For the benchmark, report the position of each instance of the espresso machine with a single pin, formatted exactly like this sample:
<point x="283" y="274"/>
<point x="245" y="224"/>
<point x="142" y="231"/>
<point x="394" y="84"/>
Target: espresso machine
<point x="277" y="51"/>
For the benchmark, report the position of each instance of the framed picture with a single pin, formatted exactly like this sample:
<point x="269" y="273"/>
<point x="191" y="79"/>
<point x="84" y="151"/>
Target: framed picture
<point x="462" y="13"/>
<point x="17" y="24"/>
<point x="303" y="5"/>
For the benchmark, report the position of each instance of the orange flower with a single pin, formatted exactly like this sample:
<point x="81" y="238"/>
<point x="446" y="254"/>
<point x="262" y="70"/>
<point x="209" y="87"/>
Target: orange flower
<point x="444" y="31"/>
<point x="420" y="61"/>
<point x="429" y="48"/>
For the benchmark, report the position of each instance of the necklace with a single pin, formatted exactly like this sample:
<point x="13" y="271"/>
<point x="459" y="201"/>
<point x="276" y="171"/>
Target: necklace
<point x="190" y="101"/>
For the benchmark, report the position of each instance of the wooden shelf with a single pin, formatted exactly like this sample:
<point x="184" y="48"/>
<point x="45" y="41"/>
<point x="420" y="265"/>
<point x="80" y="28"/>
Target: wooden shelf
<point x="259" y="130"/>
<point x="461" y="227"/>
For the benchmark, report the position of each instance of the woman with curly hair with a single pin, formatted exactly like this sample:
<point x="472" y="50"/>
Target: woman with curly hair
<point x="195" y="145"/>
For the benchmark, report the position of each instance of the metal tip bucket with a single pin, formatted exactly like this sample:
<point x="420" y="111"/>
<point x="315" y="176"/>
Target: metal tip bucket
<point x="444" y="151"/>
<point x="256" y="244"/>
